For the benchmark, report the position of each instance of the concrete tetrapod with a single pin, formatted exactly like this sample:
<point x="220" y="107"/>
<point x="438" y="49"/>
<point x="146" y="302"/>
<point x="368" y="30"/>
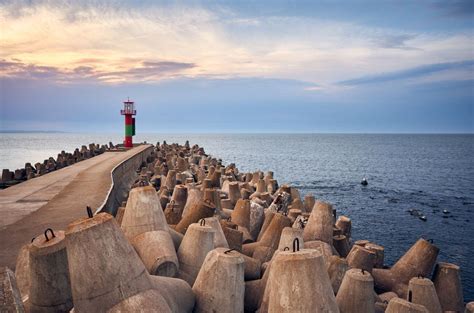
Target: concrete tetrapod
<point x="50" y="286"/>
<point x="298" y="282"/>
<point x="145" y="226"/>
<point x="323" y="247"/>
<point x="362" y="258"/>
<point x="288" y="235"/>
<point x="178" y="201"/>
<point x="269" y="241"/>
<point x="252" y="268"/>
<point x="198" y="211"/>
<point x="170" y="180"/>
<point x="398" y="305"/>
<point x="143" y="212"/>
<point x="356" y="293"/>
<point x="194" y="196"/>
<point x="103" y="266"/>
<point x="115" y="272"/>
<point x="241" y="213"/>
<point x="422" y="291"/>
<point x="320" y="223"/>
<point x="176" y="292"/>
<point x="257" y="216"/>
<point x="176" y="237"/>
<point x="341" y="244"/>
<point x="157" y="251"/>
<point x="212" y="195"/>
<point x="219" y="286"/>
<point x="272" y="234"/>
<point x="447" y="282"/>
<point x="267" y="219"/>
<point x="379" y="253"/>
<point x="219" y="237"/>
<point x="197" y="242"/>
<point x="336" y="270"/>
<point x="418" y="260"/>
<point x="234" y="193"/>
<point x="254" y="289"/>
<point x="309" y="202"/>
<point x="345" y="225"/>
<point x="233" y="236"/>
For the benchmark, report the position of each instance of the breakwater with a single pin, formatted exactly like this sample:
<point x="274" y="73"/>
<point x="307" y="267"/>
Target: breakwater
<point x="63" y="159"/>
<point x="241" y="241"/>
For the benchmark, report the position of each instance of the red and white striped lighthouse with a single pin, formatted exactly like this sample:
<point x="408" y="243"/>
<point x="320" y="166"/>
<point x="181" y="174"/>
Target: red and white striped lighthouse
<point x="129" y="111"/>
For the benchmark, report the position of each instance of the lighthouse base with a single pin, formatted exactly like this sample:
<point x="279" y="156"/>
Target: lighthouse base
<point x="128" y="143"/>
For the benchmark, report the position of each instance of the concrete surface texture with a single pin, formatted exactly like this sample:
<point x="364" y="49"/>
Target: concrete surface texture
<point x="418" y="260"/>
<point x="295" y="276"/>
<point x="54" y="200"/>
<point x="10" y="297"/>
<point x="320" y="223"/>
<point x="104" y="268"/>
<point x="50" y="286"/>
<point x="197" y="242"/>
<point x="398" y="305"/>
<point x="422" y="291"/>
<point x="356" y="293"/>
<point x="219" y="286"/>
<point x="448" y="286"/>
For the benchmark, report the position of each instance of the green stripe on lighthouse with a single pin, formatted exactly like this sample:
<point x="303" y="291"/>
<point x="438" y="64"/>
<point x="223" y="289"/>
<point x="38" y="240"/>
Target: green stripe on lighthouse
<point x="128" y="130"/>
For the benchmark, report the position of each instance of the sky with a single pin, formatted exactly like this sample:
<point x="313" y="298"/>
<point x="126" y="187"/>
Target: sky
<point x="238" y="66"/>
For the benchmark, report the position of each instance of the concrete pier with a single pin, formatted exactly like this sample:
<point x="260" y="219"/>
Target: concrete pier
<point x="55" y="199"/>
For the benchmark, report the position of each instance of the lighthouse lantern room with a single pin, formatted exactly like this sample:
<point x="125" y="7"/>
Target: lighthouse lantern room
<point x="129" y="111"/>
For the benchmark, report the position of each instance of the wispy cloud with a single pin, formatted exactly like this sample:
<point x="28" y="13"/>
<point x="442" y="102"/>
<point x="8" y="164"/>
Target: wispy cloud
<point x="146" y="71"/>
<point x="395" y="41"/>
<point x="415" y="72"/>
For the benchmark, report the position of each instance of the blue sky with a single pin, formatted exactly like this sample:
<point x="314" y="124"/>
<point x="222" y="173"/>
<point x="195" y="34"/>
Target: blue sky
<point x="242" y="66"/>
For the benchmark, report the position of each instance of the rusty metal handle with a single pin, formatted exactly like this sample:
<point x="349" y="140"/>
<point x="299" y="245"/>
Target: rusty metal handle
<point x="286" y="249"/>
<point x="229" y="251"/>
<point x="46" y="234"/>
<point x="202" y="222"/>
<point x="296" y="245"/>
<point x="89" y="212"/>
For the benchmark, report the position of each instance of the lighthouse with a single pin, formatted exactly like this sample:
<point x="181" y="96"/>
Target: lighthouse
<point x="129" y="111"/>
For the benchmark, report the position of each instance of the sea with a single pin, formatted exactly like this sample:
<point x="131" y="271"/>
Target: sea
<point x="429" y="173"/>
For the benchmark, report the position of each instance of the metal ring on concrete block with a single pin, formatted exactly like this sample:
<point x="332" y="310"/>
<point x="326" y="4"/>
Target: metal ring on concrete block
<point x="89" y="212"/>
<point x="296" y="245"/>
<point x="46" y="234"/>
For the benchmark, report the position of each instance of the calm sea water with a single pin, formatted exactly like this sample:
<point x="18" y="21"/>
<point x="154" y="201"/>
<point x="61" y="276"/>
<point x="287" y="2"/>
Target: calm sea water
<point x="429" y="173"/>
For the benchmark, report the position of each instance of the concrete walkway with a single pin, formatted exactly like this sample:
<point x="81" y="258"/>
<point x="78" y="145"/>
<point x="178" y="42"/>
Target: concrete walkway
<point x="54" y="200"/>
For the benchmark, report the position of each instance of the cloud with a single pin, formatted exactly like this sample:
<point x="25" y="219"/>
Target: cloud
<point x="146" y="71"/>
<point x="395" y="41"/>
<point x="415" y="72"/>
